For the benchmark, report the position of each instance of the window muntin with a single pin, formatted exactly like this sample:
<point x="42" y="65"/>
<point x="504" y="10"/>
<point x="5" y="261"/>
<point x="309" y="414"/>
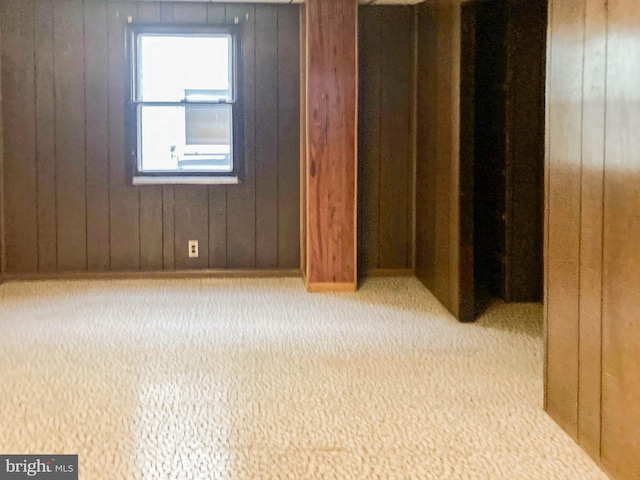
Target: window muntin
<point x="184" y="95"/>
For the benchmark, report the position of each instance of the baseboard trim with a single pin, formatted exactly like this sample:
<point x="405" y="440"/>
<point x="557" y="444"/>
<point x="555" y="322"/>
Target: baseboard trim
<point x="390" y="272"/>
<point x="330" y="287"/>
<point x="168" y="274"/>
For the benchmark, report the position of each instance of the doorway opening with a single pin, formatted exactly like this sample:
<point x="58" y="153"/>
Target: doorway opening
<point x="502" y="152"/>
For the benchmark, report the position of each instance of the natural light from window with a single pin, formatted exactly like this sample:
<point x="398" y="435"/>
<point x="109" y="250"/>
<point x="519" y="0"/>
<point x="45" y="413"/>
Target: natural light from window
<point x="184" y="92"/>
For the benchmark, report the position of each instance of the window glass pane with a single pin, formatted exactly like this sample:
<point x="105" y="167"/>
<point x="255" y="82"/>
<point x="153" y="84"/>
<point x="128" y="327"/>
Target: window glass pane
<point x="173" y="68"/>
<point x="190" y="138"/>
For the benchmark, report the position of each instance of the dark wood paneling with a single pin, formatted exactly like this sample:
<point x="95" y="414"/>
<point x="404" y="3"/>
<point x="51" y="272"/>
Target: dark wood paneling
<point x="591" y="228"/>
<point x="66" y="185"/>
<point x="124" y="203"/>
<point x="97" y="135"/>
<point x="426" y="141"/>
<point x="216" y="15"/>
<point x="621" y="250"/>
<point x="288" y="137"/>
<point x="241" y="199"/>
<point x="592" y="358"/>
<point x="396" y="144"/>
<point x="444" y="137"/>
<point x="565" y="119"/>
<point x="303" y="140"/>
<point x="468" y="48"/>
<point x="369" y="113"/>
<point x="525" y="150"/>
<point x="331" y="122"/>
<point x="45" y="136"/>
<point x="437" y="188"/>
<point x="151" y="235"/>
<point x="386" y="101"/>
<point x="266" y="95"/>
<point x="19" y="132"/>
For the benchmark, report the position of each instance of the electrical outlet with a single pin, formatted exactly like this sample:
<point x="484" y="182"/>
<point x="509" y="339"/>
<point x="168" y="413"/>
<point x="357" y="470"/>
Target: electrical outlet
<point x="193" y="248"/>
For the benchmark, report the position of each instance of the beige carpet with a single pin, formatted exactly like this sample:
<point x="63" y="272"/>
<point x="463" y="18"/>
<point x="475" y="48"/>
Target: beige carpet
<point x="239" y="379"/>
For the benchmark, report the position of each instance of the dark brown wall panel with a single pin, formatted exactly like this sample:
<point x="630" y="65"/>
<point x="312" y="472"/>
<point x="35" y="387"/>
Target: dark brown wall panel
<point x="124" y="203"/>
<point x="565" y="120"/>
<point x="19" y="133"/>
<point x="592" y="375"/>
<point x="386" y="101"/>
<point x="591" y="228"/>
<point x="385" y="139"/>
<point x="621" y="257"/>
<point x="331" y="122"/>
<point x="45" y="136"/>
<point x="97" y="136"/>
<point x="241" y="199"/>
<point x="69" y="204"/>
<point x="396" y="142"/>
<point x="266" y="96"/>
<point x="288" y="137"/>
<point x="427" y="99"/>
<point x="369" y="112"/>
<point x="437" y="188"/>
<point x="526" y="46"/>
<point x="71" y="207"/>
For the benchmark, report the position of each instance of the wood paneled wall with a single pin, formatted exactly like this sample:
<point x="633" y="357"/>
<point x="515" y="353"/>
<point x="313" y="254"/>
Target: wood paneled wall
<point x="591" y="241"/>
<point x="438" y="129"/>
<point x="386" y="133"/>
<point x="69" y="206"/>
<point x="331" y="120"/>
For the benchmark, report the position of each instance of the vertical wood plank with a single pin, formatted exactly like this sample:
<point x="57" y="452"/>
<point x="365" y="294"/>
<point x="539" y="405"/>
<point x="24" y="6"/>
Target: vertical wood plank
<point x="426" y="133"/>
<point x="97" y="131"/>
<point x="369" y="93"/>
<point x="442" y="165"/>
<point x="20" y="175"/>
<point x="565" y="119"/>
<point x="468" y="48"/>
<point x="303" y="139"/>
<point x="124" y="198"/>
<point x="621" y="274"/>
<point x="288" y="137"/>
<point x="332" y="136"/>
<point x="191" y="201"/>
<point x="241" y="199"/>
<point x="216" y="15"/>
<point x="168" y="194"/>
<point x="68" y="24"/>
<point x="45" y="136"/>
<point x="591" y="227"/>
<point x="266" y="95"/>
<point x="151" y="235"/>
<point x="395" y="137"/>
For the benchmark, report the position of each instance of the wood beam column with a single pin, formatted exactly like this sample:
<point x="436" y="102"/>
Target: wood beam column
<point x="330" y="155"/>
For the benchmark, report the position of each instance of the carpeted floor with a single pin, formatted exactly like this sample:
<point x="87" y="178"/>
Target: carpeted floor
<point x="257" y="379"/>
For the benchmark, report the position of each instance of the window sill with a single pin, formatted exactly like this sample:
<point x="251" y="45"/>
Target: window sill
<point x="185" y="180"/>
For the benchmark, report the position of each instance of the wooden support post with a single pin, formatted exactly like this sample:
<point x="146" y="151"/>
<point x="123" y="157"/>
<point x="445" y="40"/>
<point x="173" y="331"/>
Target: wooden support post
<point x="330" y="157"/>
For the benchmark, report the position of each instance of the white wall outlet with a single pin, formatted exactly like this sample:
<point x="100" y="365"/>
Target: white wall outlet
<point x="193" y="248"/>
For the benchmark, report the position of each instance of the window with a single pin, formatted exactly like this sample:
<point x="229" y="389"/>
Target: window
<point x="185" y="113"/>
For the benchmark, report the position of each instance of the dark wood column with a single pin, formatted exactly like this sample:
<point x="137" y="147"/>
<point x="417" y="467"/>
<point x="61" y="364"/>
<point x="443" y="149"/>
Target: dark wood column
<point x="329" y="159"/>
